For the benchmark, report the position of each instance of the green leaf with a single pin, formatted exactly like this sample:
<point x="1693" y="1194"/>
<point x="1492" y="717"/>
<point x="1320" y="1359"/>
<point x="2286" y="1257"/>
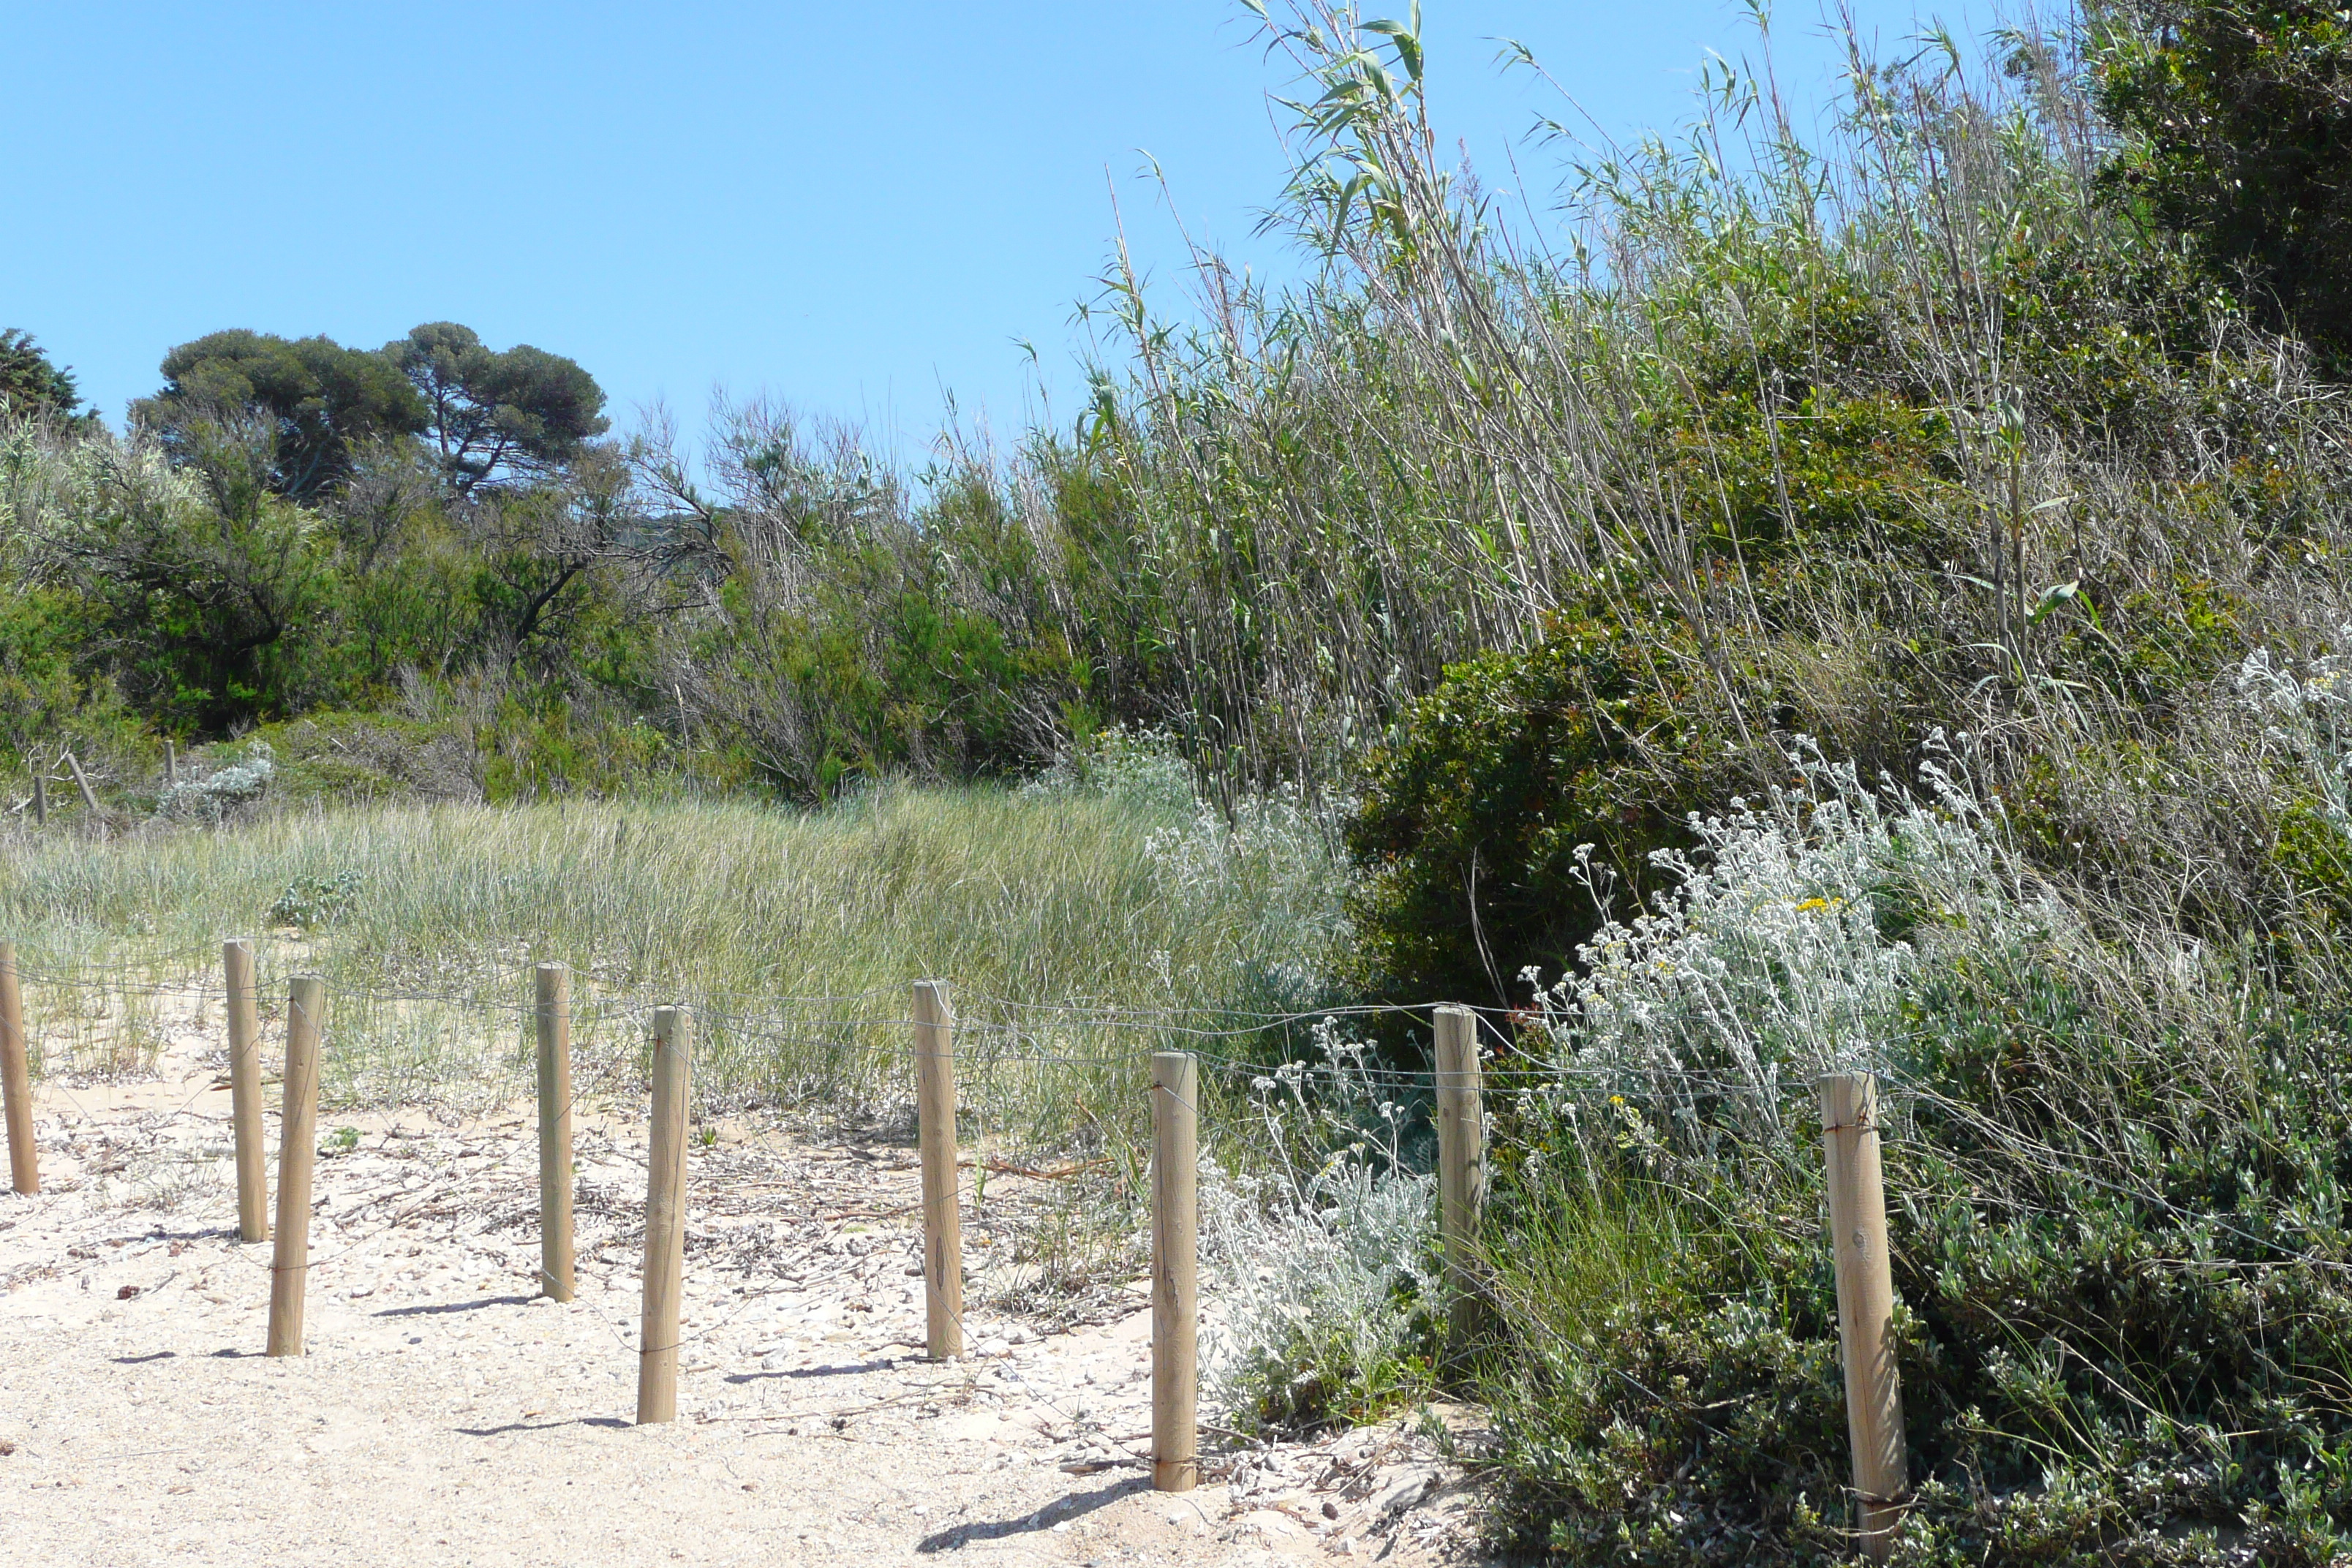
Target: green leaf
<point x="1404" y="40"/>
<point x="2057" y="594"/>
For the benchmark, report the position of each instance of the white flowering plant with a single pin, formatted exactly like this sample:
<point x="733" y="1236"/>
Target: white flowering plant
<point x="1322" y="1260"/>
<point x="1781" y="953"/>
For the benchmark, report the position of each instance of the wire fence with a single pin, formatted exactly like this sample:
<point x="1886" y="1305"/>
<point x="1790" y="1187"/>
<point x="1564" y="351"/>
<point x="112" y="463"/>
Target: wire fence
<point x="1043" y="1075"/>
<point x="91" y="1028"/>
<point x="1040" y="1082"/>
<point x="1049" y="1091"/>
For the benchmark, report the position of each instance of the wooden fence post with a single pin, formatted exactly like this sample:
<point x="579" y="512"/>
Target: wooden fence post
<point x="665" y="1218"/>
<point x="554" y="1017"/>
<point x="81" y="781"/>
<point x="1175" y="1257"/>
<point x="1865" y="1290"/>
<point x="40" y="796"/>
<point x="1461" y="1164"/>
<point x="244" y="1090"/>
<point x="935" y="1113"/>
<point x="16" y="1077"/>
<point x="171" y="765"/>
<point x="306" y="1006"/>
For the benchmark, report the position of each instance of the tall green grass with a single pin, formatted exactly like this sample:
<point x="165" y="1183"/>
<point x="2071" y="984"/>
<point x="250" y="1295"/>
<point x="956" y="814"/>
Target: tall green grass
<point x="1075" y="924"/>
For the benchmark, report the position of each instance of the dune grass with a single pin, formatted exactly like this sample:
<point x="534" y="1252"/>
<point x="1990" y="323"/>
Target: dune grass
<point x="1074" y="924"/>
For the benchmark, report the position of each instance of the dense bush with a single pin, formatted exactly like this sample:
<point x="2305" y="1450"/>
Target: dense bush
<point x="1517" y="804"/>
<point x="2240" y="115"/>
<point x="2115" y="1199"/>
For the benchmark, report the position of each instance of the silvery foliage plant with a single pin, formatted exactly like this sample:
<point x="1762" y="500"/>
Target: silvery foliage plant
<point x="1771" y="962"/>
<point x="1319" y="1263"/>
<point x="222" y="789"/>
<point x="2306" y="718"/>
<point x="1141" y="767"/>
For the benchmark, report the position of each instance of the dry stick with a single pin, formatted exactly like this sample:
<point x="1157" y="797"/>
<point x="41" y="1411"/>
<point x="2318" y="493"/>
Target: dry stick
<point x="306" y="1006"/>
<point x="665" y="1218"/>
<point x="88" y="798"/>
<point x="245" y="1091"/>
<point x="1175" y="1255"/>
<point x="555" y="1131"/>
<point x="1865" y="1290"/>
<point x="16" y="1077"/>
<point x="935" y="1107"/>
<point x="1461" y="1164"/>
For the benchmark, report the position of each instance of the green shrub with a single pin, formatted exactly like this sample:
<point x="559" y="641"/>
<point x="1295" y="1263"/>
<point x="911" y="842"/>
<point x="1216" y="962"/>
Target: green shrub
<point x="1669" y="1404"/>
<point x="538" y="745"/>
<point x="47" y="698"/>
<point x="310" y="901"/>
<point x="875" y="675"/>
<point x="1474" y="817"/>
<point x="1830" y="470"/>
<point x="2115" y="1191"/>
<point x="206" y="591"/>
<point x="2239" y="119"/>
<point x="350" y="758"/>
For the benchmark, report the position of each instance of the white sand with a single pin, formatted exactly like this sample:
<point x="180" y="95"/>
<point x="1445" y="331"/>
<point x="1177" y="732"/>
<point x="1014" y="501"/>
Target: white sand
<point x="446" y="1414"/>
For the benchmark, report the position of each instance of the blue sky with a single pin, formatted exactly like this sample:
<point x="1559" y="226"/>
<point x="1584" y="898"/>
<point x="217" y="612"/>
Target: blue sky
<point x="853" y="208"/>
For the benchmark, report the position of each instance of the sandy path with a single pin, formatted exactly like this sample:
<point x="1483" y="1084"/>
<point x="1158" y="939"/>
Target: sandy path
<point x="444" y="1415"/>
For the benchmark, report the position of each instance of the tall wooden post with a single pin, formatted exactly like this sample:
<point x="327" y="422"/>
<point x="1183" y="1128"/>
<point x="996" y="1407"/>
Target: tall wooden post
<point x="1461" y="1164"/>
<point x="41" y="795"/>
<point x="171" y="765"/>
<point x="554" y="1017"/>
<point x="935" y="1112"/>
<point x="16" y="1077"/>
<point x="1865" y="1289"/>
<point x="665" y="1218"/>
<point x="1175" y="1255"/>
<point x="244" y="1090"/>
<point x="305" y="1007"/>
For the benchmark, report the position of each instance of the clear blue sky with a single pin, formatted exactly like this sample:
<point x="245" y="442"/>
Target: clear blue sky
<point x="851" y="207"/>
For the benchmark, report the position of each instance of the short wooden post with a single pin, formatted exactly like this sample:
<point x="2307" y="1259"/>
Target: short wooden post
<point x="665" y="1218"/>
<point x="41" y="795"/>
<point x="16" y="1077"/>
<point x="1175" y="1257"/>
<point x="1461" y="1164"/>
<point x="554" y="1015"/>
<point x="81" y="781"/>
<point x="306" y="1006"/>
<point x="935" y="1114"/>
<point x="171" y="765"/>
<point x="1865" y="1289"/>
<point x="244" y="1090"/>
